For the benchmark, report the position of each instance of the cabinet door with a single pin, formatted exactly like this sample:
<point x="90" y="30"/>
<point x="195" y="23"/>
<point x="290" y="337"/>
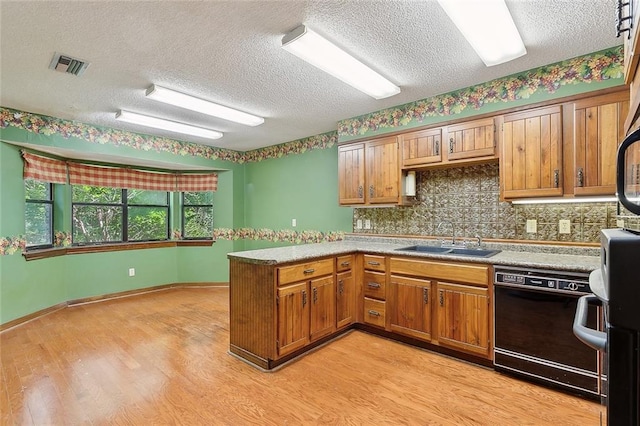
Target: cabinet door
<point x="420" y="148"/>
<point x="531" y="159"/>
<point x="293" y="317"/>
<point x="323" y="307"/>
<point x="383" y="171"/>
<point x="463" y="317"/>
<point x="598" y="130"/>
<point x="351" y="174"/>
<point x="409" y="307"/>
<point x="345" y="299"/>
<point x="471" y="139"/>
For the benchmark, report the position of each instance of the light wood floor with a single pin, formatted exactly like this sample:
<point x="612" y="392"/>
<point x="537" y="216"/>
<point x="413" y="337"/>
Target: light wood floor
<point x="161" y="358"/>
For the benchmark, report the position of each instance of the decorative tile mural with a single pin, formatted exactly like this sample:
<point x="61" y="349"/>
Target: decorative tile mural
<point x="468" y="200"/>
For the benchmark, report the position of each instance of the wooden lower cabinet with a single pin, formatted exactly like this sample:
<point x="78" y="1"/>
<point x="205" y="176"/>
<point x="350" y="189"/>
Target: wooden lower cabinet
<point x="410" y="309"/>
<point x="375" y="312"/>
<point x="463" y="317"/>
<point x="345" y="299"/>
<point x="293" y="317"/>
<point x="323" y="308"/>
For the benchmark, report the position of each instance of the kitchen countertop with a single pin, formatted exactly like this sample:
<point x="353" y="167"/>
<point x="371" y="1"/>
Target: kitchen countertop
<point x="563" y="258"/>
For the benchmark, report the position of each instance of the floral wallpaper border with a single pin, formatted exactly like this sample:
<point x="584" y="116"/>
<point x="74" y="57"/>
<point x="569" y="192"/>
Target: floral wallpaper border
<point x="49" y="126"/>
<point x="283" y="235"/>
<point x="599" y="66"/>
<point x="18" y="244"/>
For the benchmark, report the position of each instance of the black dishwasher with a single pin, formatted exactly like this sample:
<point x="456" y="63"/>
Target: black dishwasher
<point x="534" y="311"/>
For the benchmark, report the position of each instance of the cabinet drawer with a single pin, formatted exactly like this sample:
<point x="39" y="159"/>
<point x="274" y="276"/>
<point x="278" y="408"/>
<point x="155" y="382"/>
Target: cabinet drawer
<point x="374" y="285"/>
<point x="374" y="263"/>
<point x="344" y="263"/>
<point x="374" y="312"/>
<point x="304" y="271"/>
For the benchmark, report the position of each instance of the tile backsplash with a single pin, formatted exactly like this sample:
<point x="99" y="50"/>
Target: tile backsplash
<point x="469" y="199"/>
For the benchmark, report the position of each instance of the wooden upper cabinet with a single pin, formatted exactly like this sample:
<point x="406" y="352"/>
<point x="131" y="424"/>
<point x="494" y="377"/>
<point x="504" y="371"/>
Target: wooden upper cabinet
<point x="382" y="171"/>
<point x="421" y="147"/>
<point x="471" y="139"/>
<point x="598" y="130"/>
<point x="531" y="156"/>
<point x="631" y="43"/>
<point x="351" y="174"/>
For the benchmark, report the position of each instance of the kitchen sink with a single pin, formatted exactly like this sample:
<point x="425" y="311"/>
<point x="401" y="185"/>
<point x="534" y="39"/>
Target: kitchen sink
<point x="450" y="250"/>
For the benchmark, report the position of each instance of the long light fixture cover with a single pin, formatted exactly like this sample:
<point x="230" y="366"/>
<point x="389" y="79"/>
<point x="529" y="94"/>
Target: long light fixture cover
<point x="159" y="123"/>
<point x="182" y="100"/>
<point x="321" y="53"/>
<point x="488" y="27"/>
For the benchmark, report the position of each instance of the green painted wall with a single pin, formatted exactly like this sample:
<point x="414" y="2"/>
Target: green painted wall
<point x="302" y="187"/>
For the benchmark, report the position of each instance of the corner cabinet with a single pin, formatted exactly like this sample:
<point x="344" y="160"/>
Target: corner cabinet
<point x="531" y="155"/>
<point x="369" y="172"/>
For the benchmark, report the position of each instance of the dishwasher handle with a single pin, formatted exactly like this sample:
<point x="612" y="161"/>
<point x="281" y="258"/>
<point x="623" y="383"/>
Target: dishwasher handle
<point x="590" y="337"/>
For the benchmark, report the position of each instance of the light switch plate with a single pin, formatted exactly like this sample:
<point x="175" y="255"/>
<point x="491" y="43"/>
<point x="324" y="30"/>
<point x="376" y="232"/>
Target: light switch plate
<point x="564" y="226"/>
<point x="132" y="272"/>
<point x="620" y="223"/>
<point x="367" y="224"/>
<point x="532" y="226"/>
<point x="359" y="224"/>
<point x="294" y="223"/>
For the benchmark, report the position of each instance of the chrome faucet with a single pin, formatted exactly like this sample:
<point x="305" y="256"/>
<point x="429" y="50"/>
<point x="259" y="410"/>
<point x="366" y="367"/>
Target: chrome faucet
<point x="453" y="232"/>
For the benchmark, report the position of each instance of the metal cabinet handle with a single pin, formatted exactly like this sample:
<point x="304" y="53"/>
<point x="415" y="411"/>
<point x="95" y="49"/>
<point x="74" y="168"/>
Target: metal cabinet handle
<point x="371" y="190"/>
<point x="373" y="263"/>
<point x="556" y="178"/>
<point x="451" y="143"/>
<point x="315" y="295"/>
<point x="441" y="298"/>
<point x="425" y="295"/>
<point x="374" y="313"/>
<point x="373" y="285"/>
<point x="360" y="191"/>
<point x="580" y="177"/>
<point x="340" y="286"/>
<point x="437" y="147"/>
<point x="304" y="297"/>
<point x="345" y="264"/>
<point x="308" y="271"/>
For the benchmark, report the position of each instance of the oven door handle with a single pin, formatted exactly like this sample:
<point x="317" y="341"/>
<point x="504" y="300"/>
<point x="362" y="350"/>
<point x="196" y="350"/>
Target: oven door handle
<point x="590" y="337"/>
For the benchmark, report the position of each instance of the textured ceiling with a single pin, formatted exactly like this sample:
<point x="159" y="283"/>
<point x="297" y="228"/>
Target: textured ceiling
<point x="229" y="52"/>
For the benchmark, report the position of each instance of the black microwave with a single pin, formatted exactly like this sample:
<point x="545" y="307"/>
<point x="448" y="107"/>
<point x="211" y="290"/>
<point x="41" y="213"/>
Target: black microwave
<point x="628" y="172"/>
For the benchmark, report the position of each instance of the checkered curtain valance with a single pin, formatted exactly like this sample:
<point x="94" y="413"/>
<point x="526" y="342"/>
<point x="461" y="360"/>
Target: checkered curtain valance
<point x="44" y="169"/>
<point x="197" y="182"/>
<point x="116" y="177"/>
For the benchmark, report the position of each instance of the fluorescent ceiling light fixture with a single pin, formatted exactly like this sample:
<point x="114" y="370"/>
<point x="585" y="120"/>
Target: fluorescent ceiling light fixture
<point x="565" y="200"/>
<point x="173" y="126"/>
<point x="181" y="100"/>
<point x="488" y="27"/>
<point x="321" y="53"/>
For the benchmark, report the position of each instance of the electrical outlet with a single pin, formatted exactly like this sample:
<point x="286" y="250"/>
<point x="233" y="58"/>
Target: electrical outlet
<point x="132" y="272"/>
<point x="359" y="224"/>
<point x="564" y="226"/>
<point x="620" y="223"/>
<point x="532" y="226"/>
<point x="367" y="224"/>
<point x="294" y="223"/>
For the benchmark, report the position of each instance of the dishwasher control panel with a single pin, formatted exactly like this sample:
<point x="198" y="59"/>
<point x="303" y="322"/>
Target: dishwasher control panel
<point x="548" y="280"/>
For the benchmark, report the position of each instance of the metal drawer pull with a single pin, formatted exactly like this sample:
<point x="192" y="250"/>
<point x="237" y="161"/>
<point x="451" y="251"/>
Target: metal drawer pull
<point x="315" y="295"/>
<point x="373" y="263"/>
<point x="425" y="295"/>
<point x="373" y="285"/>
<point x="374" y="313"/>
<point x="345" y="264"/>
<point x="309" y="271"/>
<point x="442" y="298"/>
<point x="341" y="286"/>
<point x="304" y="297"/>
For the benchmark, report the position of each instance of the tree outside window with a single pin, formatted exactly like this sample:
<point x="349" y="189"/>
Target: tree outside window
<point x="38" y="217"/>
<point x="197" y="215"/>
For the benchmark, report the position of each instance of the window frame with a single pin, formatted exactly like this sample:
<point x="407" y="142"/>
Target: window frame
<point x="124" y="223"/>
<point x="182" y="216"/>
<point x="50" y="203"/>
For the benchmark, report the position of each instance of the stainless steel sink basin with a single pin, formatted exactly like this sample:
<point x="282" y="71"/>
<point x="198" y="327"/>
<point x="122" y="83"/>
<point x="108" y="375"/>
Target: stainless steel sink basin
<point x="426" y="249"/>
<point x="450" y="250"/>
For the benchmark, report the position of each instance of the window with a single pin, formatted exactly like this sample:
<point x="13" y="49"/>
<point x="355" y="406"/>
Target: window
<point x="107" y="215"/>
<point x="38" y="216"/>
<point x="197" y="215"/>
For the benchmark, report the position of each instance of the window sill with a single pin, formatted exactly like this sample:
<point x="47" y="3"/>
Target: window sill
<point x="101" y="248"/>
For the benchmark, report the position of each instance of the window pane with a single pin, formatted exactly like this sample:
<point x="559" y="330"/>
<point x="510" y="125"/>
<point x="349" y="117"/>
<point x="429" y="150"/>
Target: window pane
<point x="199" y="198"/>
<point x="93" y="224"/>
<point x="139" y="196"/>
<point x="198" y="222"/>
<point x="36" y="190"/>
<point x="96" y="194"/>
<point x="37" y="222"/>
<point x="148" y="223"/>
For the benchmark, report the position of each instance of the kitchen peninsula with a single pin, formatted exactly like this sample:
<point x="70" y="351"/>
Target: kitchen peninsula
<point x="285" y="301"/>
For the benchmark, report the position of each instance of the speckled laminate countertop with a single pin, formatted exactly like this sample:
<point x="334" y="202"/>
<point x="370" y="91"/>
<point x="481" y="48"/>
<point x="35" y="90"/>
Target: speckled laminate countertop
<point x="562" y="258"/>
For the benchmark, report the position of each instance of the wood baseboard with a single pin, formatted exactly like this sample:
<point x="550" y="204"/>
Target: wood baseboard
<point x="94" y="299"/>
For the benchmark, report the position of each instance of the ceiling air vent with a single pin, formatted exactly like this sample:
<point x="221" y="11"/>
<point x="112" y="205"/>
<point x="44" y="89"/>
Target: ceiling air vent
<point x="67" y="64"/>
